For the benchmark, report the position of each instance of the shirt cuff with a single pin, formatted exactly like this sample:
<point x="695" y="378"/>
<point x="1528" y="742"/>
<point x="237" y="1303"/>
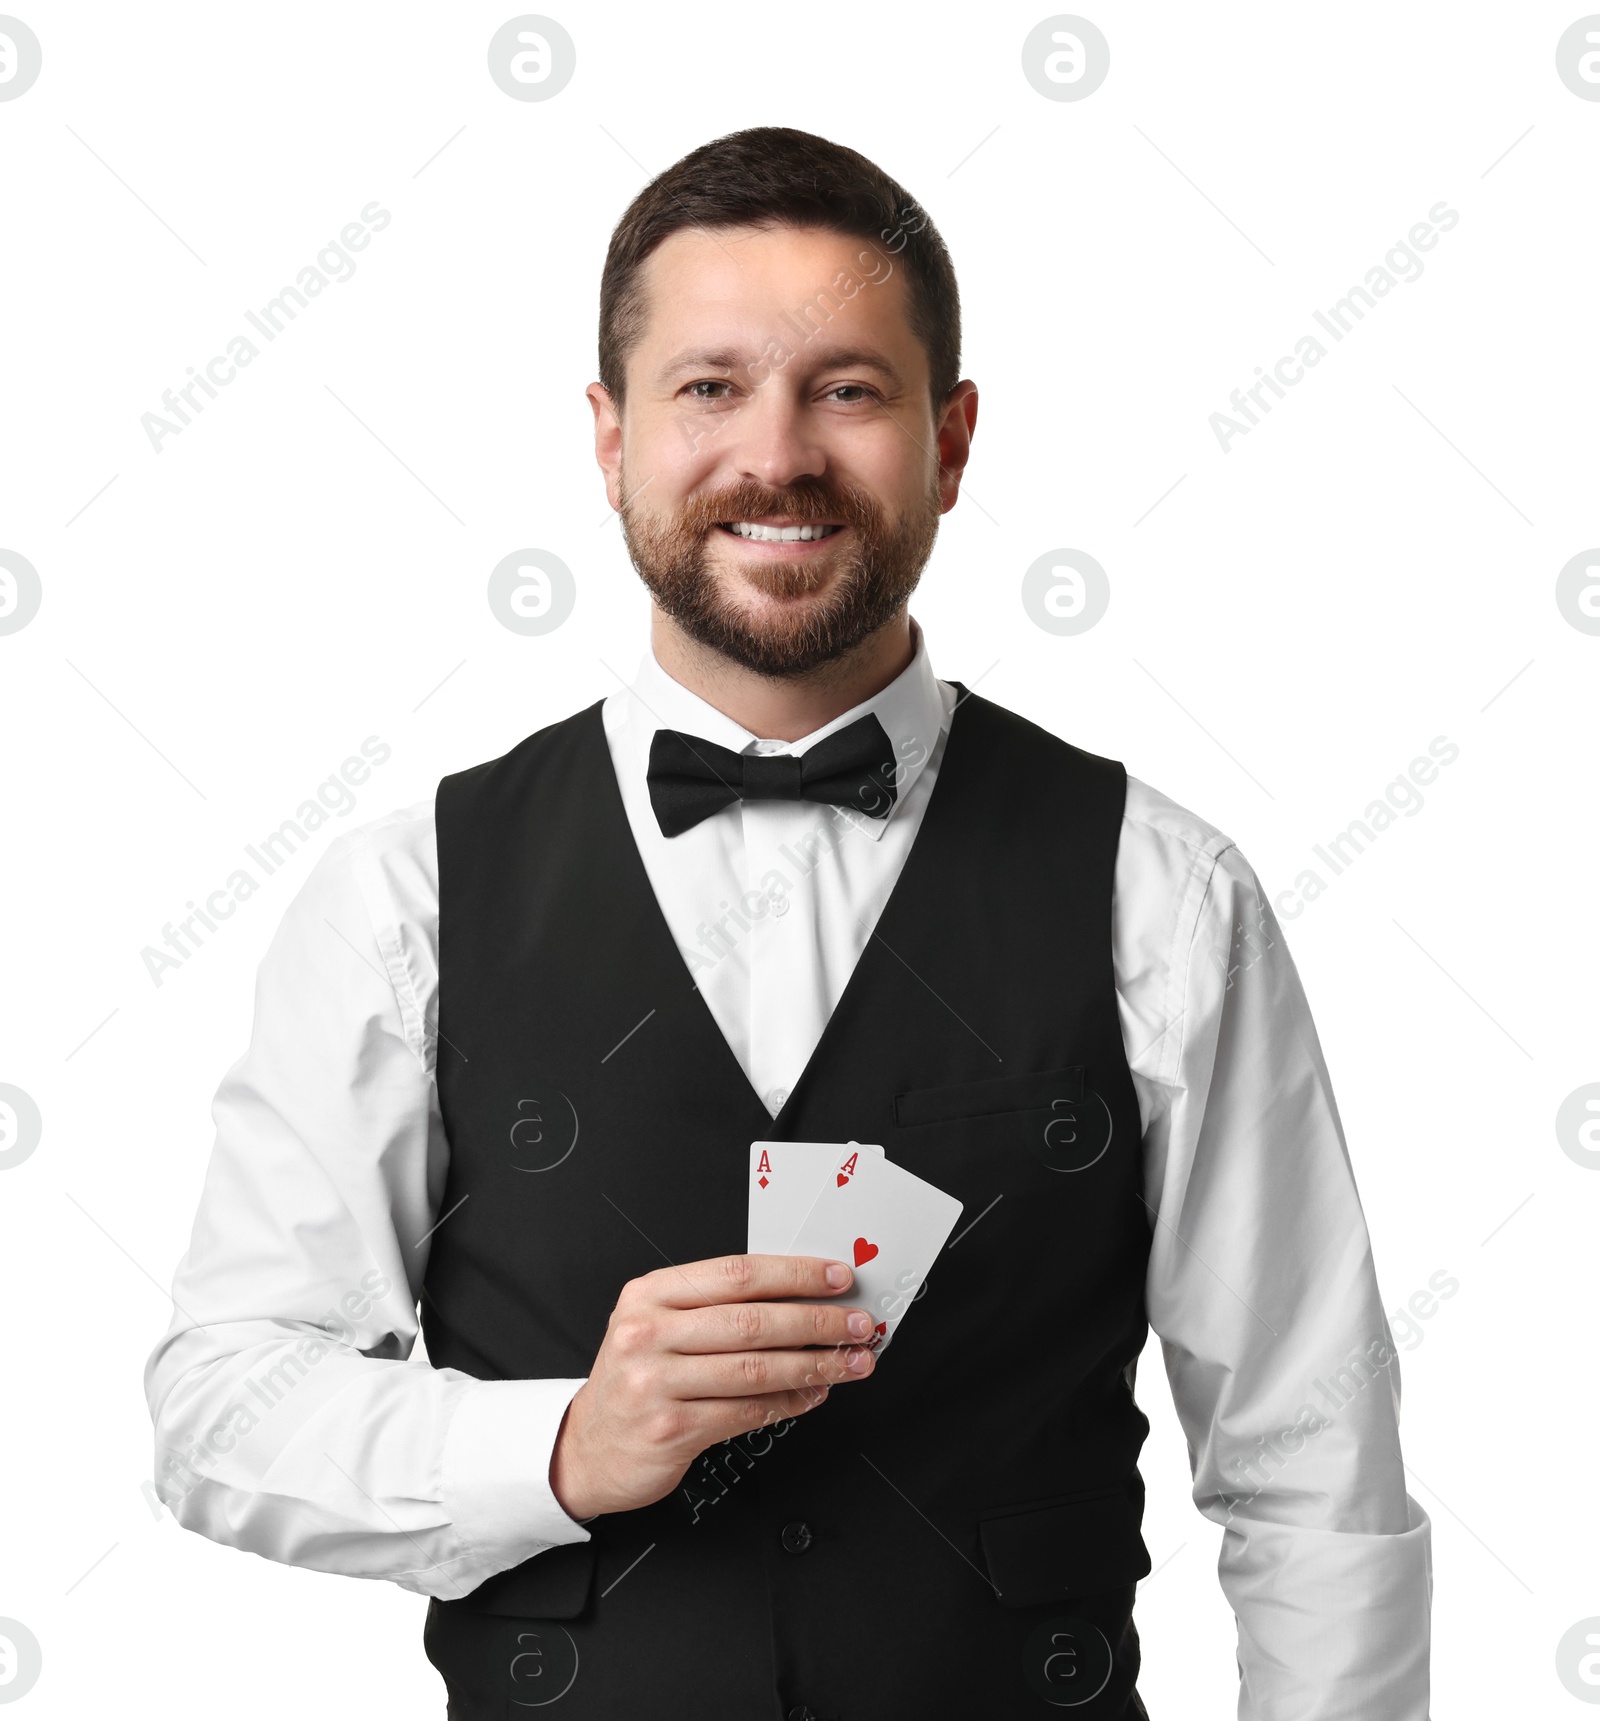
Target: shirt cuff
<point x="1333" y="1626"/>
<point x="496" y="1471"/>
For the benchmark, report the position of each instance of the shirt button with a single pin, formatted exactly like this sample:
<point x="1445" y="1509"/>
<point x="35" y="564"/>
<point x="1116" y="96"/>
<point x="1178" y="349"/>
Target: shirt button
<point x="776" y="1098"/>
<point x="780" y="905"/>
<point x="796" y="1537"/>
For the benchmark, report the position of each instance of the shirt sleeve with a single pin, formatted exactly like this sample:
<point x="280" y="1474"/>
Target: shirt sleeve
<point x="291" y="1418"/>
<point x="1262" y="1289"/>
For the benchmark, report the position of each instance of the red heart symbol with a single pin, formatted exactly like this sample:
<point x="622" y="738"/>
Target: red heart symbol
<point x="841" y="1180"/>
<point x="865" y="1251"/>
<point x="881" y="1328"/>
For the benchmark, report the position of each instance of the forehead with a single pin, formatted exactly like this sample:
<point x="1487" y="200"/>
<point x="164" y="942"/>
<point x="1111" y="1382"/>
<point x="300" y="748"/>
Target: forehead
<point x="746" y="285"/>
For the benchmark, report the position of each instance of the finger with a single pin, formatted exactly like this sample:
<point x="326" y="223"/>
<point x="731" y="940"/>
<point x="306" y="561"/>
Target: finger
<point x="753" y="1374"/>
<point x="743" y="1279"/>
<point x="726" y="1418"/>
<point x="761" y="1326"/>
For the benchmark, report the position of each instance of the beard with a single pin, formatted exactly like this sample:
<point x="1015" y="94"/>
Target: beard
<point x="882" y="562"/>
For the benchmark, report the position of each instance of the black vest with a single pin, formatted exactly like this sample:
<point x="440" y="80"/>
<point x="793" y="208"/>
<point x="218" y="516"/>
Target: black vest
<point x="957" y="1536"/>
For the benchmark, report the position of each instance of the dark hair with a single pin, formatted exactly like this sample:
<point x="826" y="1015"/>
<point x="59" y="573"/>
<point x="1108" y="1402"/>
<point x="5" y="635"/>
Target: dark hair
<point x="772" y="176"/>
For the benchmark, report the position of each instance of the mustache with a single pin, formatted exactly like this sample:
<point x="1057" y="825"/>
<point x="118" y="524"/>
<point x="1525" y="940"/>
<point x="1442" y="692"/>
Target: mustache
<point x="803" y="503"/>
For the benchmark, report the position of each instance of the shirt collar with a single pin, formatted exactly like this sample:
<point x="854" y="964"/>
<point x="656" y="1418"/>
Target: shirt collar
<point x="911" y="709"/>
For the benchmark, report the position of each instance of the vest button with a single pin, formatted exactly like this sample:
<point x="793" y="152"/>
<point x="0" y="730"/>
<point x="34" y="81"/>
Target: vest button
<point x="802" y="1712"/>
<point x="796" y="1539"/>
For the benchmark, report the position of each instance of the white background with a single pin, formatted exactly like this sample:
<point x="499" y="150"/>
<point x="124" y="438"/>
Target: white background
<point x="1373" y="566"/>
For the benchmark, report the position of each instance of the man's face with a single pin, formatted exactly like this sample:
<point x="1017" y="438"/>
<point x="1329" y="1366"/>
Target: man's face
<point x="777" y="462"/>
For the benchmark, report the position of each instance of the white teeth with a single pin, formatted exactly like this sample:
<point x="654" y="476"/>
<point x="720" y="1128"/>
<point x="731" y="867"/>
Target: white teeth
<point x="781" y="534"/>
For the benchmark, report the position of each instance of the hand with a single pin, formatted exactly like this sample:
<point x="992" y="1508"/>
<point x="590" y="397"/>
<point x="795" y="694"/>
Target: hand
<point x="696" y="1354"/>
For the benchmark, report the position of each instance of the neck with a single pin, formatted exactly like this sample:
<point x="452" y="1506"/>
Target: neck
<point x="783" y="708"/>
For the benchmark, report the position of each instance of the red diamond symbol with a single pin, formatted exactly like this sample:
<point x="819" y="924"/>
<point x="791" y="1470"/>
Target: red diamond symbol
<point x="763" y="1182"/>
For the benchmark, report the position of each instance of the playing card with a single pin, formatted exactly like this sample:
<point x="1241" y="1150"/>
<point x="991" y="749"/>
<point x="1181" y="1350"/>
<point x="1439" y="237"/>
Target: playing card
<point x="890" y="1226"/>
<point x="785" y="1177"/>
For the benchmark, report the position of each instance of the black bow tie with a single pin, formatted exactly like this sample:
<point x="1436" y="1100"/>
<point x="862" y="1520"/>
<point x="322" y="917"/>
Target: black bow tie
<point x="691" y="779"/>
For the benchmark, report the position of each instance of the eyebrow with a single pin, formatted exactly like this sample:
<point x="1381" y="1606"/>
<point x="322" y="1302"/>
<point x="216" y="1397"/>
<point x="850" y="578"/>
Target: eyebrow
<point x="826" y="358"/>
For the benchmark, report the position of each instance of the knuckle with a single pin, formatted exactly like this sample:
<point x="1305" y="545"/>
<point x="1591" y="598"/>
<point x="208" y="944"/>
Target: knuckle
<point x="663" y="1427"/>
<point x="638" y="1380"/>
<point x="756" y="1369"/>
<point x="632" y="1334"/>
<point x="749" y="1321"/>
<point x="738" y="1271"/>
<point x="824" y="1321"/>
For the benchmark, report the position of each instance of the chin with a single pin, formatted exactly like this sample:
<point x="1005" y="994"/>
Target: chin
<point x="774" y="586"/>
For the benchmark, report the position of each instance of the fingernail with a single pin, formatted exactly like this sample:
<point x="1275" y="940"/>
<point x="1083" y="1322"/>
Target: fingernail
<point x="838" y="1275"/>
<point x="859" y="1324"/>
<point x="857" y="1360"/>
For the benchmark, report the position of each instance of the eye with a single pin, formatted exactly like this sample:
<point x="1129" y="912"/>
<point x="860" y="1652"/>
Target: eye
<point x="694" y="389"/>
<point x="859" y="392"/>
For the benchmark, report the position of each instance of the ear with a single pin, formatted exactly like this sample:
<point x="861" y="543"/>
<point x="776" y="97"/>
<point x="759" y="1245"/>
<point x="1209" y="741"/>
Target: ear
<point x="607" y="441"/>
<point x="957" y="422"/>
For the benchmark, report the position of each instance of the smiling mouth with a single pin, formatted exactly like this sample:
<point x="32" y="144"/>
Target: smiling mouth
<point x="755" y="533"/>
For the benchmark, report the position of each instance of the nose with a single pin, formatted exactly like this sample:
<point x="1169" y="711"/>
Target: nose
<point x="777" y="441"/>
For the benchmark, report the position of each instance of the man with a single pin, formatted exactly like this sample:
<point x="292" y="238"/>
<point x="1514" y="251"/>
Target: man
<point x="512" y="1048"/>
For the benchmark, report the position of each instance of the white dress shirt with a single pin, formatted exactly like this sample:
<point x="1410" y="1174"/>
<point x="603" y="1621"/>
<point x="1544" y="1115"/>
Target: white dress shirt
<point x="295" y="1416"/>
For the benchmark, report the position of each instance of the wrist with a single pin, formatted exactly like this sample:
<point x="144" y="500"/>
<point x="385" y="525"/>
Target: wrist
<point x="566" y="1477"/>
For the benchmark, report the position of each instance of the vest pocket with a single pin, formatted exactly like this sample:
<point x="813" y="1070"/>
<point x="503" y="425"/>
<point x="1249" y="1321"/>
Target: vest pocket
<point x="552" y="1585"/>
<point x="1074" y="1545"/>
<point x="1030" y="1090"/>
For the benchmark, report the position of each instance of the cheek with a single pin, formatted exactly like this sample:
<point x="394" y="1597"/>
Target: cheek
<point x="674" y="449"/>
<point x="898" y="475"/>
